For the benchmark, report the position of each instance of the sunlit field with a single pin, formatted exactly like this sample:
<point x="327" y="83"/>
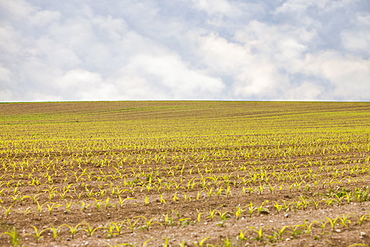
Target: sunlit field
<point x="185" y="173"/>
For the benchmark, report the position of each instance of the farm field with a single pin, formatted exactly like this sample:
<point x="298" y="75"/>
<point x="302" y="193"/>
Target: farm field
<point x="185" y="173"/>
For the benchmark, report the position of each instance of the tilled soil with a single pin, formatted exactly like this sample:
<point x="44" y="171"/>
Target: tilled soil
<point x="184" y="174"/>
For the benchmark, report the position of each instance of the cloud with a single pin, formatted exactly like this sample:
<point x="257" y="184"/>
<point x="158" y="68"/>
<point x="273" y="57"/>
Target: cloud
<point x="252" y="76"/>
<point x="309" y="50"/>
<point x="348" y="75"/>
<point x="305" y="90"/>
<point x="176" y="78"/>
<point x="356" y="39"/>
<point x="257" y="59"/>
<point x="216" y="9"/>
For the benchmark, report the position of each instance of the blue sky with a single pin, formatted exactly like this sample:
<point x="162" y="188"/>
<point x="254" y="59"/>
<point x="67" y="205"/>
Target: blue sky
<point x="184" y="49"/>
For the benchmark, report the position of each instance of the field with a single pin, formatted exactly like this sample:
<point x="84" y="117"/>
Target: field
<point x="185" y="173"/>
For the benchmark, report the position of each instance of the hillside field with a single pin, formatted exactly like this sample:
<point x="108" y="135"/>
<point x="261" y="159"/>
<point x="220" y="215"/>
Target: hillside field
<point x="185" y="173"/>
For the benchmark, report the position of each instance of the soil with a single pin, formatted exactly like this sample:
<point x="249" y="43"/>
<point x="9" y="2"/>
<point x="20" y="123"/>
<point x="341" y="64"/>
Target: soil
<point x="182" y="183"/>
<point x="185" y="227"/>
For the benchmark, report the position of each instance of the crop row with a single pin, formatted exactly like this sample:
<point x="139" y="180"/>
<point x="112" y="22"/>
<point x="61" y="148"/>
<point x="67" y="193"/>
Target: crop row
<point x="313" y="229"/>
<point x="181" y="173"/>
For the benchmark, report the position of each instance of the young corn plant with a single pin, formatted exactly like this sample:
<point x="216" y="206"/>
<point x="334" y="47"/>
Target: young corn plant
<point x="224" y="215"/>
<point x="54" y="231"/>
<point x="148" y="223"/>
<point x="166" y="242"/>
<point x="146" y="200"/>
<point x="279" y="233"/>
<point x="52" y="206"/>
<point x="198" y="195"/>
<point x="131" y="225"/>
<point x="278" y="207"/>
<point x="97" y="203"/>
<point x="211" y="214"/>
<point x="72" y="229"/>
<point x="175" y="198"/>
<point x="261" y="209"/>
<point x="201" y="243"/>
<point x="168" y="221"/>
<point x="239" y="212"/>
<point x="67" y="206"/>
<point x="38" y="233"/>
<point x="90" y="230"/>
<point x="259" y="232"/>
<point x="363" y="218"/>
<point x="295" y="230"/>
<point x="241" y="236"/>
<point x="344" y="220"/>
<point x="184" y="221"/>
<point x="251" y="209"/>
<point x="7" y="210"/>
<point x="199" y="215"/>
<point x="332" y="222"/>
<point x="161" y="199"/>
<point x="14" y="237"/>
<point x="110" y="229"/>
<point x="303" y="203"/>
<point x="107" y="204"/>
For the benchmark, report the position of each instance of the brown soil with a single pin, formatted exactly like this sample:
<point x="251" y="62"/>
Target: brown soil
<point x="165" y="194"/>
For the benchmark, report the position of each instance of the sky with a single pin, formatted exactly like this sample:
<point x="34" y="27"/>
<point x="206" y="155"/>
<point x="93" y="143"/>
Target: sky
<point x="184" y="49"/>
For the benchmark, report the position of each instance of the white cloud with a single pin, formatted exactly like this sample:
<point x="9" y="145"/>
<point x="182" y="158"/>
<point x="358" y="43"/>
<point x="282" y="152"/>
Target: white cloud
<point x="252" y="76"/>
<point x="306" y="90"/>
<point x="17" y="9"/>
<point x="225" y="15"/>
<point x="348" y="75"/>
<point x="215" y="7"/>
<point x="299" y="7"/>
<point x="274" y="61"/>
<point x="8" y="43"/>
<point x="80" y="83"/>
<point x="220" y="55"/>
<point x="175" y="50"/>
<point x="357" y="38"/>
<point x="42" y="18"/>
<point x="6" y="85"/>
<point x="285" y="44"/>
<point x="175" y="77"/>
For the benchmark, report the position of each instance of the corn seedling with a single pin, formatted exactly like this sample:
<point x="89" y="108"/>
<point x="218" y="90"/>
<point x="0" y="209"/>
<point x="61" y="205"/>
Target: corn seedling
<point x="344" y="220"/>
<point x="72" y="229"/>
<point x="261" y="209"/>
<point x="239" y="212"/>
<point x="259" y="232"/>
<point x="54" y="231"/>
<point x="14" y="237"/>
<point x="279" y="233"/>
<point x="201" y="242"/>
<point x="251" y="209"/>
<point x="91" y="230"/>
<point x="363" y="218"/>
<point x="148" y="223"/>
<point x="52" y="206"/>
<point x="168" y="221"/>
<point x="38" y="233"/>
<point x="211" y="214"/>
<point x="161" y="199"/>
<point x="184" y="221"/>
<point x="7" y="210"/>
<point x="166" y="242"/>
<point x="241" y="236"/>
<point x="199" y="214"/>
<point x="131" y="225"/>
